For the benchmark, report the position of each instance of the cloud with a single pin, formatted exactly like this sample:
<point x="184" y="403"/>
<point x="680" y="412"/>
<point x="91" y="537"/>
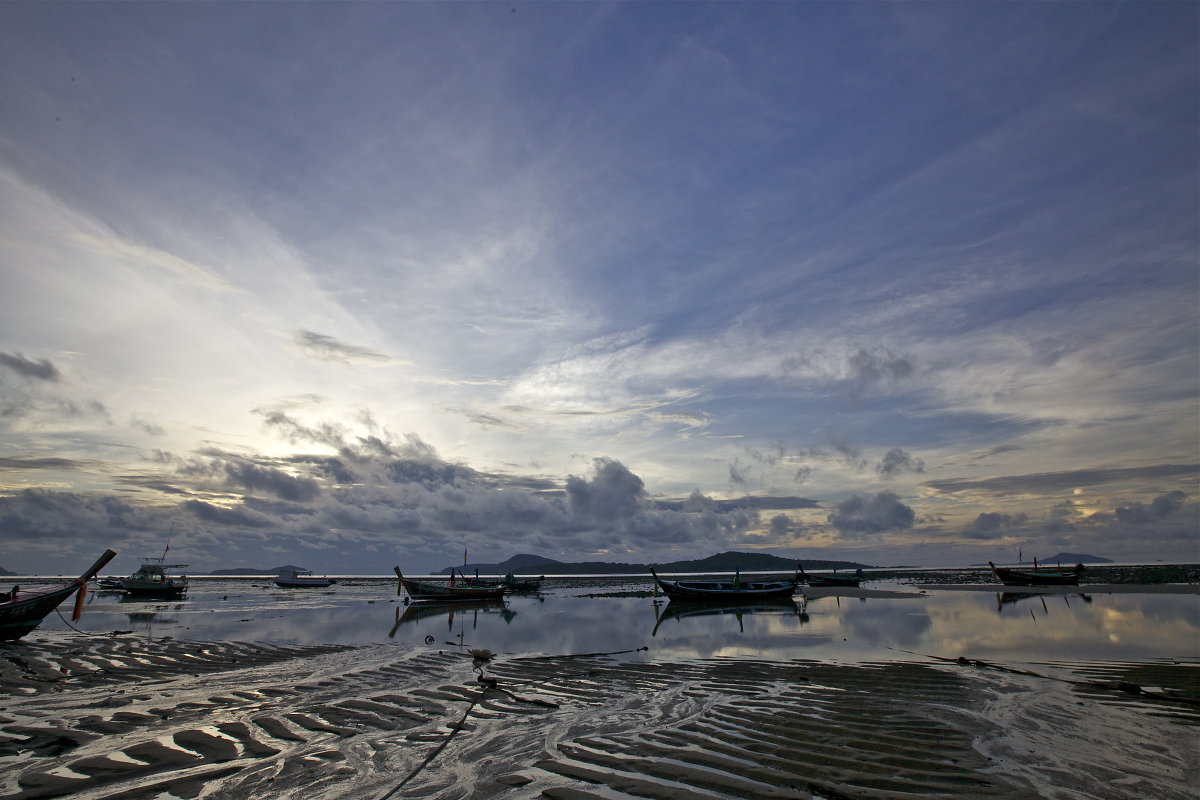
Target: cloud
<point x="36" y="370"/>
<point x="49" y="462"/>
<point x="1058" y="482"/>
<point x="868" y="369"/>
<point x="1160" y="508"/>
<point x="327" y="348"/>
<point x="861" y="516"/>
<point x="898" y="461"/>
<point x="991" y="525"/>
<point x="613" y="493"/>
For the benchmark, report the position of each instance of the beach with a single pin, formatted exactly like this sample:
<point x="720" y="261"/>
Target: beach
<point x="93" y="716"/>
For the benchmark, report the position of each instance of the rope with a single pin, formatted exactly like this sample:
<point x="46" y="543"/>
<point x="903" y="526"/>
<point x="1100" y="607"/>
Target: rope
<point x="1121" y="686"/>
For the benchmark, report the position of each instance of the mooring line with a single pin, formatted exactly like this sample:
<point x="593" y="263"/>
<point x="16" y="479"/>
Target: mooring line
<point x="1125" y="687"/>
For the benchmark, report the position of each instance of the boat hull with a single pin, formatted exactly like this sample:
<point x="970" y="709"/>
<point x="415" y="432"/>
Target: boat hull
<point x="1017" y="577"/>
<point x="725" y="591"/>
<point x="419" y="591"/>
<point x="22" y="616"/>
<point x="154" y="588"/>
<point x="824" y="582"/>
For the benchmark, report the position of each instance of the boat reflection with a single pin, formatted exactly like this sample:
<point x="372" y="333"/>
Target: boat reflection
<point x="1012" y="598"/>
<point x="415" y="612"/>
<point x="679" y="609"/>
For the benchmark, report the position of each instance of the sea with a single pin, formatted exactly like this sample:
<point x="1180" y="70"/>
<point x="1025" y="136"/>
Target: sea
<point x="888" y="619"/>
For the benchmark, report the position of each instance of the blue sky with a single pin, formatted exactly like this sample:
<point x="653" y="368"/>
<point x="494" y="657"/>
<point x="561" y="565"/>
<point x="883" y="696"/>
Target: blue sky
<point x="353" y="285"/>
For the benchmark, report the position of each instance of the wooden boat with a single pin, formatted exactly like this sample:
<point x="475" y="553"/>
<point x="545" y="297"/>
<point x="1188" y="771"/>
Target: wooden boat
<point x="153" y="580"/>
<point x="298" y="578"/>
<point x="1036" y="577"/>
<point x="831" y="580"/>
<point x="517" y="586"/>
<point x="451" y="592"/>
<point x="22" y="610"/>
<point x="736" y="591"/>
<point x="510" y="582"/>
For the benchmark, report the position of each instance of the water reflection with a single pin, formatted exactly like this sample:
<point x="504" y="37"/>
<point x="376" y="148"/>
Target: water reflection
<point x="414" y="613"/>
<point x="866" y="623"/>
<point x="679" y="609"/>
<point x="1012" y="598"/>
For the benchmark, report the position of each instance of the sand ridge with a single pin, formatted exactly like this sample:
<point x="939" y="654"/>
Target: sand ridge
<point x="107" y="717"/>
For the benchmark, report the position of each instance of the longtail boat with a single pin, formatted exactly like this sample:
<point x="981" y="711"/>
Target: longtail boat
<point x="1036" y="577"/>
<point x="735" y="591"/>
<point x="832" y="580"/>
<point x="445" y="592"/>
<point x="22" y="610"/>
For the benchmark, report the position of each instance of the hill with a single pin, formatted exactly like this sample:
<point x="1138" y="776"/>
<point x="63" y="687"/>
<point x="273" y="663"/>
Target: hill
<point x="1074" y="558"/>
<point x="253" y="571"/>
<point x="3" y="571"/>
<point x="722" y="562"/>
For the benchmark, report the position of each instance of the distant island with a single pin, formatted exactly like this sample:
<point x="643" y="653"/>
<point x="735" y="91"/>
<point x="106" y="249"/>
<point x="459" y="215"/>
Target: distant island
<point x="3" y="571"/>
<point x="1075" y="558"/>
<point x="1063" y="558"/>
<point x="525" y="564"/>
<point x="252" y="571"/>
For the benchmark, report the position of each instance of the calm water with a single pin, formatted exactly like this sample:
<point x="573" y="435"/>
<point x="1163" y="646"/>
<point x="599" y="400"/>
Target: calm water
<point x="893" y="620"/>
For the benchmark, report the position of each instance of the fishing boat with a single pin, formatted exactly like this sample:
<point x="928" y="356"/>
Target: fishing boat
<point x="298" y="578"/>
<point x="831" y="580"/>
<point x="1036" y="577"/>
<point x="422" y="591"/>
<point x="153" y="580"/>
<point x="518" y="586"/>
<point x="736" y="590"/>
<point x="22" y="610"/>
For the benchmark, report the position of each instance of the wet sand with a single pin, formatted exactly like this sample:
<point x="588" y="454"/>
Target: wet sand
<point x="129" y="717"/>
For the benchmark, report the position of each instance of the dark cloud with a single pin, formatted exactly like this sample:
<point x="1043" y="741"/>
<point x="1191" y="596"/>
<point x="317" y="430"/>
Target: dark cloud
<point x="864" y="516"/>
<point x="254" y="478"/>
<point x="35" y="370"/>
<point x="996" y="451"/>
<point x="41" y="463"/>
<point x="148" y="427"/>
<point x="898" y="461"/>
<point x="1058" y="482"/>
<point x="484" y="420"/>
<point x="613" y="493"/>
<point x="991" y="525"/>
<point x="327" y="348"/>
<point x="698" y="502"/>
<point x="737" y="473"/>
<point x="1160" y="508"/>
<point x="235" y="517"/>
<point x="869" y="369"/>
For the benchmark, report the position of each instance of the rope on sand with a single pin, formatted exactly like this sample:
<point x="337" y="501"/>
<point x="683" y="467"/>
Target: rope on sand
<point x="1121" y="686"/>
<point x="488" y="684"/>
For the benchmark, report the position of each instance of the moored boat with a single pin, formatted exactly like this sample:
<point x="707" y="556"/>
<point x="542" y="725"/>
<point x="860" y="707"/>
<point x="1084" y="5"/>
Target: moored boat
<point x="736" y="590"/>
<point x="831" y="580"/>
<point x="1036" y="577"/>
<point x="297" y="578"/>
<point x="152" y="579"/>
<point x="518" y="586"/>
<point x="445" y="592"/>
<point x="22" y="610"/>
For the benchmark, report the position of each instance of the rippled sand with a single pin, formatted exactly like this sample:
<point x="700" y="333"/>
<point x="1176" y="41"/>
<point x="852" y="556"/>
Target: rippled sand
<point x="130" y="717"/>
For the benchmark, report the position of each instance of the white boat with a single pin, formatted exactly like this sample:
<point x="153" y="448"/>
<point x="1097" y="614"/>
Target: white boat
<point x="152" y="578"/>
<point x="301" y="577"/>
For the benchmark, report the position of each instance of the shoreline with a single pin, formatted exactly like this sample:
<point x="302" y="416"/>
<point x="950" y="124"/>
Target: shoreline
<point x="123" y="716"/>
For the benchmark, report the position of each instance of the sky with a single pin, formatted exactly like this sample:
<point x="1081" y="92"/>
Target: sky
<point x="354" y="285"/>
